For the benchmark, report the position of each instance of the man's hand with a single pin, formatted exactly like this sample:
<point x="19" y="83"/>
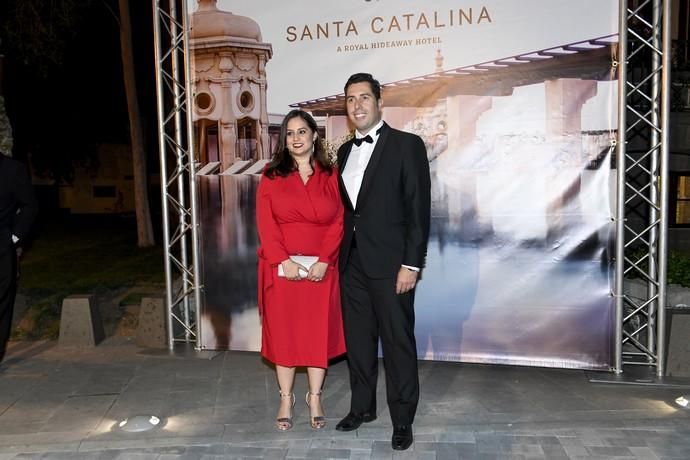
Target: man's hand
<point x="406" y="280"/>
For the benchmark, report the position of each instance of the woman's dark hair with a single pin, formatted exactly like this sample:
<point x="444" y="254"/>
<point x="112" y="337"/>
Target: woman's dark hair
<point x="365" y="78"/>
<point x="282" y="163"/>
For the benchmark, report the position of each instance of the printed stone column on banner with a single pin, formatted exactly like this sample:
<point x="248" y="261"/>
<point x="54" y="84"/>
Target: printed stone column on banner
<point x="564" y="101"/>
<point x="265" y="144"/>
<point x="399" y="117"/>
<point x="462" y="113"/>
<point x="228" y="122"/>
<point x="337" y="128"/>
<point x="228" y="139"/>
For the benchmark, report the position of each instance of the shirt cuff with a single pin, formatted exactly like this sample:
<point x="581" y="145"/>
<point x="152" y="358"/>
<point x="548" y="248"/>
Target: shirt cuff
<point x="409" y="267"/>
<point x="14" y="238"/>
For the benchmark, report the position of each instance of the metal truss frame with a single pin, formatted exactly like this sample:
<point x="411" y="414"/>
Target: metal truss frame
<point x="644" y="69"/>
<point x="643" y="64"/>
<point x="177" y="171"/>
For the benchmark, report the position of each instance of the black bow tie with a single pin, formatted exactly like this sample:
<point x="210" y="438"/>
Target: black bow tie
<point x="358" y="140"/>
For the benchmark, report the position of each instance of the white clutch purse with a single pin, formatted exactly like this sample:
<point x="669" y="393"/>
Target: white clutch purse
<point x="305" y="261"/>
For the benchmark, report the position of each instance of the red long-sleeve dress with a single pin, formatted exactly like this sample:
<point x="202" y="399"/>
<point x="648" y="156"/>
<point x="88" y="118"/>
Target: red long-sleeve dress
<point x="301" y="320"/>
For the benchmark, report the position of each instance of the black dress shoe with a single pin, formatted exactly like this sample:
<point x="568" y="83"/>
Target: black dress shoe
<point x="353" y="421"/>
<point x="402" y="437"/>
<point x="369" y="416"/>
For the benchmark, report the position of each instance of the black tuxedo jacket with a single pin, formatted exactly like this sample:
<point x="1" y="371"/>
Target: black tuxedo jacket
<point x="16" y="193"/>
<point x="392" y="216"/>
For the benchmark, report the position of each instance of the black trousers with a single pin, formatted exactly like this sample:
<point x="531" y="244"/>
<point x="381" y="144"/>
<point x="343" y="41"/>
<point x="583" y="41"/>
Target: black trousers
<point x="8" y="291"/>
<point x="372" y="309"/>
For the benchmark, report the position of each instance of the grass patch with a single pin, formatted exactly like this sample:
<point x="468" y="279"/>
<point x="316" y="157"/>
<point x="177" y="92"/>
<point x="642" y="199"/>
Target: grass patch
<point x="82" y="255"/>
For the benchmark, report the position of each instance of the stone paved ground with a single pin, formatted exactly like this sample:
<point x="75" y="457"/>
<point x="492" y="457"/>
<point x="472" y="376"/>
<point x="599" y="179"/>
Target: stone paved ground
<point x="58" y="403"/>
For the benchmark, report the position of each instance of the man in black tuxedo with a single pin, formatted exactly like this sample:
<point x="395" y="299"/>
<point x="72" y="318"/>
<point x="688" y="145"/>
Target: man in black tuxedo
<point x="18" y="209"/>
<point x="386" y="188"/>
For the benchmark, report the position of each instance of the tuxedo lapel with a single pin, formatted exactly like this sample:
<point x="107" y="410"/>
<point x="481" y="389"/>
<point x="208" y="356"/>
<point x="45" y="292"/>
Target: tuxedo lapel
<point x="370" y="171"/>
<point x="342" y="160"/>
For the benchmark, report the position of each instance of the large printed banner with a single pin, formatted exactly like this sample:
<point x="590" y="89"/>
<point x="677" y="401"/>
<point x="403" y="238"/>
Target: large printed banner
<point x="516" y="103"/>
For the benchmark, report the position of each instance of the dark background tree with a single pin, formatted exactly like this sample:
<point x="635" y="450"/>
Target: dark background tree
<point x="64" y="87"/>
<point x="141" y="201"/>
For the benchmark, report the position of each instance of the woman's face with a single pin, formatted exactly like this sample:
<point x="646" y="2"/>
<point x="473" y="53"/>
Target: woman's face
<point x="300" y="138"/>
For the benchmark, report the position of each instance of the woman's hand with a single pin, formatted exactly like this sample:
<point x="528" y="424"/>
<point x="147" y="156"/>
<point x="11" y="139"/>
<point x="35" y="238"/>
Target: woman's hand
<point x="317" y="271"/>
<point x="292" y="269"/>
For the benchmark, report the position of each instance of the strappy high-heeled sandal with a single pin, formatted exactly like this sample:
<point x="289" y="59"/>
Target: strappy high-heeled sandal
<point x="285" y="423"/>
<point x="317" y="422"/>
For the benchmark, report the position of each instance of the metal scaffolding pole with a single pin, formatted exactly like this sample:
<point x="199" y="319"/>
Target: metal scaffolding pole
<point x="620" y="182"/>
<point x="664" y="190"/>
<point x="178" y="171"/>
<point x="642" y="179"/>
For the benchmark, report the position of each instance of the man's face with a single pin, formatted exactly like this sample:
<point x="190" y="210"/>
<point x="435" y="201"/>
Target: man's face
<point x="363" y="109"/>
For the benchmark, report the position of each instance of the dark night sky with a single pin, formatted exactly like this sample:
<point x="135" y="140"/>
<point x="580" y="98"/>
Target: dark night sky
<point x="75" y="107"/>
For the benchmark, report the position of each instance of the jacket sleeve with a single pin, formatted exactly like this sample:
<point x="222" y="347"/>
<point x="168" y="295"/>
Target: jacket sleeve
<point x="26" y="203"/>
<point x="417" y="198"/>
<point x="270" y="236"/>
<point x="330" y="248"/>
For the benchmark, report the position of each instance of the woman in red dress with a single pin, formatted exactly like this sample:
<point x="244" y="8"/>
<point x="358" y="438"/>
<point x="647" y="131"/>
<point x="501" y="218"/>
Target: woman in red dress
<point x="299" y="212"/>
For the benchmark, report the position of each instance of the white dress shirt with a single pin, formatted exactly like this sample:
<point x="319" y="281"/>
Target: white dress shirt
<point x="357" y="163"/>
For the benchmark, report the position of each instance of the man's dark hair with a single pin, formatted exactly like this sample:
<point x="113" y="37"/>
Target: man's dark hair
<point x="365" y="77"/>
